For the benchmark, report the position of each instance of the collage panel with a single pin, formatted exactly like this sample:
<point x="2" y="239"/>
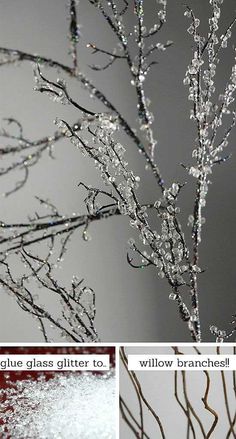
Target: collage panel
<point x="117" y="127"/>
<point x="117" y="224"/>
<point x="177" y="392"/>
<point x="57" y="392"/>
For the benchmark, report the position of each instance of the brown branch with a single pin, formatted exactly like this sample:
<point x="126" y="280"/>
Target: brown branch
<point x="125" y="362"/>
<point x="185" y="392"/>
<point x="139" y="391"/>
<point x="205" y="400"/>
<point x="123" y="408"/>
<point x="225" y="392"/>
<point x="185" y="410"/>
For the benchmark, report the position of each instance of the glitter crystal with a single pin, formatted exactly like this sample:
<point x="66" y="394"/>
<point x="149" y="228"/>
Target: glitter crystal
<point x="75" y="406"/>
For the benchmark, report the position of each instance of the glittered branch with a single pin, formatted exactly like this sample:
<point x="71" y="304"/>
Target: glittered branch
<point x="113" y="56"/>
<point x="57" y="90"/>
<point x="138" y="69"/>
<point x="77" y="304"/>
<point x="37" y="230"/>
<point x="223" y="334"/>
<point x="208" y="118"/>
<point x="74" y="32"/>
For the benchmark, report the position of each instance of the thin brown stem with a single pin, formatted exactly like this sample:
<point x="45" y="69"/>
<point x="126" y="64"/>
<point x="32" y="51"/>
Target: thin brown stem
<point x="205" y="400"/>
<point x="185" y="410"/>
<point x="225" y="392"/>
<point x="125" y="362"/>
<point x="124" y="408"/>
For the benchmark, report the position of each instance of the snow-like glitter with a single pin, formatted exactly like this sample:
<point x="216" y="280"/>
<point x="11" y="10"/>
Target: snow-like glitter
<point x="75" y="406"/>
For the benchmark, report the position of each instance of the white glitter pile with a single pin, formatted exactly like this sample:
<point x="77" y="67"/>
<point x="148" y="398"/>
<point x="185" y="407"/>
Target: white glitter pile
<point x="76" y="406"/>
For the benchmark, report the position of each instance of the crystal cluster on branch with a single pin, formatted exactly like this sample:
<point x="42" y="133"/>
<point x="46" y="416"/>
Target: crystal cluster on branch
<point x="207" y="112"/>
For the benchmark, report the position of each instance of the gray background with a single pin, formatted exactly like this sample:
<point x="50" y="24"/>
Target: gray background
<point x="132" y="305"/>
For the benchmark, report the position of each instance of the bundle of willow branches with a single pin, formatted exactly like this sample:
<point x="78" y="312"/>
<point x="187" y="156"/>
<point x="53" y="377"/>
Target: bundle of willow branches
<point x="208" y="416"/>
